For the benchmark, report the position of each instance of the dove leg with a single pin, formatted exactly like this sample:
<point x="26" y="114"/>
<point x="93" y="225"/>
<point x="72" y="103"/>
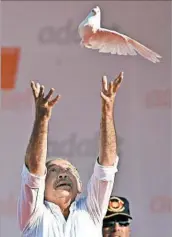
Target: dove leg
<point x="86" y="43"/>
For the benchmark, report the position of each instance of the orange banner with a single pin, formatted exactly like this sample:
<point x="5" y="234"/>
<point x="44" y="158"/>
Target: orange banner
<point x="9" y="66"/>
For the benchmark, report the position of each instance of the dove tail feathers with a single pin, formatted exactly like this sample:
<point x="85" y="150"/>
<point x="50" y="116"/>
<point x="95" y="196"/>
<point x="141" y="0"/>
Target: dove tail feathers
<point x="144" y="51"/>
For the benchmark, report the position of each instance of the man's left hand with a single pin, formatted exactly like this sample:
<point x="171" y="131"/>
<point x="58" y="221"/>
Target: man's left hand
<point x="108" y="92"/>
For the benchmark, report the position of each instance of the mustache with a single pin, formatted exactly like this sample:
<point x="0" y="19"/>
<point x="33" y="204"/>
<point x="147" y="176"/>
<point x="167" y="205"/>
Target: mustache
<point x="63" y="182"/>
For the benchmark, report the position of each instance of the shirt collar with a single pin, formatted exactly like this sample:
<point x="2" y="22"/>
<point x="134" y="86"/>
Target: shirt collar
<point x="56" y="208"/>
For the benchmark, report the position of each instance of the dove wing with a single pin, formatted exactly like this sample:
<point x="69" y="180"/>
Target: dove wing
<point x="107" y="41"/>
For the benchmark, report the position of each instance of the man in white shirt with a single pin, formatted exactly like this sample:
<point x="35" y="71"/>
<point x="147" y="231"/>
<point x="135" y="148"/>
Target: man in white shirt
<point x="47" y="204"/>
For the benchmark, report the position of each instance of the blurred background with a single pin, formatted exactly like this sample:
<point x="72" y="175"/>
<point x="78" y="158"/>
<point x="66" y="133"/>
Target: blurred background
<point x="39" y="41"/>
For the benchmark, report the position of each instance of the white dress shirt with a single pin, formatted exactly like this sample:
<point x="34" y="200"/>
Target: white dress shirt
<point x="39" y="218"/>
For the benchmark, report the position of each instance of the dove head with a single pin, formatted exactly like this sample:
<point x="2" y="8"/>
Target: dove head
<point x="94" y="17"/>
<point x="95" y="11"/>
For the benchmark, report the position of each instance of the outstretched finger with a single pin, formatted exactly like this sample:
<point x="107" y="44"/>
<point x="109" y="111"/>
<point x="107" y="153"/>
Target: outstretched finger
<point x="54" y="101"/>
<point x="104" y="83"/>
<point x="118" y="80"/>
<point x="49" y="95"/>
<point x="33" y="86"/>
<point x="110" y="89"/>
<point x="41" y="92"/>
<point x="37" y="85"/>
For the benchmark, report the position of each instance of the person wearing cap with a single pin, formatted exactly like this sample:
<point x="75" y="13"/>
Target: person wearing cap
<point x="117" y="221"/>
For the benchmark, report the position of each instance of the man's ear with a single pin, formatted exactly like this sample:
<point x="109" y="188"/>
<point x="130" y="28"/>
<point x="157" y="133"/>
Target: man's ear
<point x="79" y="186"/>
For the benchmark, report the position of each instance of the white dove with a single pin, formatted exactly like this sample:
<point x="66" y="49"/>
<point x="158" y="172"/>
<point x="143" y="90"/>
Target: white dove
<point x="108" y="41"/>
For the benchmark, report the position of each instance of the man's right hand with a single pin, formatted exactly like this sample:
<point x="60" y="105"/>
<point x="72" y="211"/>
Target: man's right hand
<point x="43" y="103"/>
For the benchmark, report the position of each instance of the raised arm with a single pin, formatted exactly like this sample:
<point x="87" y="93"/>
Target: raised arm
<point x="36" y="153"/>
<point x="108" y="151"/>
<point x="101" y="183"/>
<point x="31" y="199"/>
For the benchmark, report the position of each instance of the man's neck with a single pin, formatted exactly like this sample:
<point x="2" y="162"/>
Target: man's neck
<point x="64" y="207"/>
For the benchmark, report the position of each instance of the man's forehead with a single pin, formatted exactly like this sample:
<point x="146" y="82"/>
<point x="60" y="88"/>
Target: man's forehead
<point x="58" y="162"/>
<point x="64" y="164"/>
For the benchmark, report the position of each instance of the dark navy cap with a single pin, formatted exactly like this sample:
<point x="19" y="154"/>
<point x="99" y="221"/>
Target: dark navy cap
<point x="118" y="207"/>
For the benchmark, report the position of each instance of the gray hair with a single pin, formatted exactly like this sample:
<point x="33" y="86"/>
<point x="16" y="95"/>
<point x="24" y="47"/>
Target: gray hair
<point x="50" y="159"/>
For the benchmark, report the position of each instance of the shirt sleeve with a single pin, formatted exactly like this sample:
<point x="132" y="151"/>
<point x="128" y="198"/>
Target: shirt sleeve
<point x="99" y="190"/>
<point x="31" y="198"/>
